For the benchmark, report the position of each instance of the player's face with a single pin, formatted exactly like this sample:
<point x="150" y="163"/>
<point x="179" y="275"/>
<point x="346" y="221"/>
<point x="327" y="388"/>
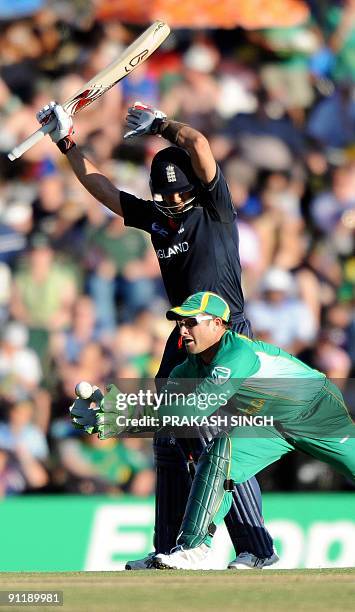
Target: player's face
<point x="199" y="333"/>
<point x="178" y="200"/>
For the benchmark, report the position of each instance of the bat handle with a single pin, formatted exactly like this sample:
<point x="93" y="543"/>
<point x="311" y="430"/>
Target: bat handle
<point x="31" y="140"/>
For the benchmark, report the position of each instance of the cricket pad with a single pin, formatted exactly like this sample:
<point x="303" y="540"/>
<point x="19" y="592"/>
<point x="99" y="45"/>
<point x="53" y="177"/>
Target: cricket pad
<point x="207" y="491"/>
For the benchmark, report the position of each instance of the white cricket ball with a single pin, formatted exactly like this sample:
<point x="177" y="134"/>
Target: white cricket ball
<point x="84" y="390"/>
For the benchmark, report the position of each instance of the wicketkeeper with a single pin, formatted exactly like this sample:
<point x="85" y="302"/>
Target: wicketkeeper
<point x="307" y="411"/>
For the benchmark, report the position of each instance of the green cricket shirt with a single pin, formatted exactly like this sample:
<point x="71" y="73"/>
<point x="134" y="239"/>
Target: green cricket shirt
<point x="246" y="376"/>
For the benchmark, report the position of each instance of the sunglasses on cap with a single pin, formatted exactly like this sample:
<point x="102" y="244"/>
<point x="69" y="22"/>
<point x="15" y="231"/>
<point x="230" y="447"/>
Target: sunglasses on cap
<point x="190" y="322"/>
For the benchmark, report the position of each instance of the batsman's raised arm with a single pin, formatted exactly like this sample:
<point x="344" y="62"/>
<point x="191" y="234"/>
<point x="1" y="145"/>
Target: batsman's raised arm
<point x="96" y="183"/>
<point x="100" y="187"/>
<point x="143" y="119"/>
<point x="197" y="145"/>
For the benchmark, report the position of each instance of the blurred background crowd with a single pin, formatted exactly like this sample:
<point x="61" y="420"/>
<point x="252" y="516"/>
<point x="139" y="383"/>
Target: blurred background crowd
<point x="80" y="294"/>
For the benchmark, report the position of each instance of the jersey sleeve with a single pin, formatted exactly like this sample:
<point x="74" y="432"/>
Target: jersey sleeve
<point x="218" y="199"/>
<point x="136" y="212"/>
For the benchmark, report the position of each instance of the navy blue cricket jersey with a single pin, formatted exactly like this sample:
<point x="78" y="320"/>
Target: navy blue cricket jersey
<point x="198" y="253"/>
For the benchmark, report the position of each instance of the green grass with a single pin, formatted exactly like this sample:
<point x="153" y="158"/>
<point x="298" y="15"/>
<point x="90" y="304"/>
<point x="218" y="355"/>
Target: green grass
<point x="178" y="591"/>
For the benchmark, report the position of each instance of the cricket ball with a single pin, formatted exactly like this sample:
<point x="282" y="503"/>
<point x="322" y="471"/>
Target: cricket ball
<point x="84" y="390"/>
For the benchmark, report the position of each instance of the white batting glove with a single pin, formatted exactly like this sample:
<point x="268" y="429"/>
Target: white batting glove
<point x="143" y="119"/>
<point x="64" y="127"/>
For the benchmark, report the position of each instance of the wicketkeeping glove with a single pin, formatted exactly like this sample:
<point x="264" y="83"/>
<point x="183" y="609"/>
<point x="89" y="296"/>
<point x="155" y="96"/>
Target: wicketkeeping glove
<point x="113" y="420"/>
<point x="64" y="130"/>
<point x="106" y="417"/>
<point x="143" y="119"/>
<point x="83" y="417"/>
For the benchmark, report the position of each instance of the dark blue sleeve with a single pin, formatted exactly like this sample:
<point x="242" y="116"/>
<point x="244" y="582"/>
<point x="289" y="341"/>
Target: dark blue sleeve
<point x="136" y="212"/>
<point x="217" y="199"/>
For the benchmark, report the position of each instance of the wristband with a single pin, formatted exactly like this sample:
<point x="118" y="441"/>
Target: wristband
<point x="65" y="144"/>
<point x="156" y="126"/>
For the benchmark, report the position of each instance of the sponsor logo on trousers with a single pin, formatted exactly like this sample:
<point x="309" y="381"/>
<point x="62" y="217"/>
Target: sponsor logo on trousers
<point x="182" y="247"/>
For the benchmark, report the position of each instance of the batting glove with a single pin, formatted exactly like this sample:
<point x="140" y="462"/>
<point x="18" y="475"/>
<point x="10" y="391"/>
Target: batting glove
<point x="143" y="119"/>
<point x="64" y="130"/>
<point x="82" y="415"/>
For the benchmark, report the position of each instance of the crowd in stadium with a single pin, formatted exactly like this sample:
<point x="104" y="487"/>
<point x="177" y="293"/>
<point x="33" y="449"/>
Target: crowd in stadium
<point x="81" y="296"/>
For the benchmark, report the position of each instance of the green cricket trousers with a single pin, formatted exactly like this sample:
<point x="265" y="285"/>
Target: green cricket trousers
<point x="324" y="430"/>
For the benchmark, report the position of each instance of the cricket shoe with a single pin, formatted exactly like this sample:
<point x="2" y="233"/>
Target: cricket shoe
<point x="183" y="558"/>
<point x="246" y="561"/>
<point x="141" y="564"/>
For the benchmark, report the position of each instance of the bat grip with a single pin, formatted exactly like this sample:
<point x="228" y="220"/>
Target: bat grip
<point x="31" y="140"/>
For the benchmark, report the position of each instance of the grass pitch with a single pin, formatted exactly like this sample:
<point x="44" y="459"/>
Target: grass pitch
<point x="181" y="591"/>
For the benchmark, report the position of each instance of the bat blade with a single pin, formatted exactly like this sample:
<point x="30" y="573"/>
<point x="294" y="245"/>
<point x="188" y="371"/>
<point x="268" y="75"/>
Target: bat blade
<point x="131" y="58"/>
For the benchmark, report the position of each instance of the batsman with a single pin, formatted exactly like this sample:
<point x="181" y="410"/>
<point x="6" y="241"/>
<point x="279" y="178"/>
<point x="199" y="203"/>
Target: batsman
<point x="302" y="410"/>
<point x="192" y="224"/>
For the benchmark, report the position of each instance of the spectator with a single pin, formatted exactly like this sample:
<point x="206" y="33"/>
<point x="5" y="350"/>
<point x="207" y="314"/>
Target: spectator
<point x="68" y="345"/>
<point x="266" y="139"/>
<point x="132" y="346"/>
<point x="126" y="249"/>
<point x="20" y="434"/>
<point x="13" y="221"/>
<point x="286" y="76"/>
<point x="331" y="358"/>
<point x="279" y="225"/>
<point x="320" y="124"/>
<point x="20" y="368"/>
<point x="112" y="467"/>
<point x="44" y="292"/>
<point x="279" y="316"/>
<point x="194" y="100"/>
<point x="329" y="209"/>
<point x="11" y="479"/>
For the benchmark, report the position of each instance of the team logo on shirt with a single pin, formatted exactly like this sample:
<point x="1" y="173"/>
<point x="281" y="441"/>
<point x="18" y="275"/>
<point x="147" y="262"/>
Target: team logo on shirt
<point x="159" y="230"/>
<point x="220" y="375"/>
<point x="170" y="174"/>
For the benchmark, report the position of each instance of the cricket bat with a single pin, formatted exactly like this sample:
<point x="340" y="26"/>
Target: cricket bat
<point x="130" y="59"/>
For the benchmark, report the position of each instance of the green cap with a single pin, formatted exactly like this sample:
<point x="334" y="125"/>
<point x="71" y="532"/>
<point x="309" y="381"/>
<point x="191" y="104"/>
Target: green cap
<point x="198" y="303"/>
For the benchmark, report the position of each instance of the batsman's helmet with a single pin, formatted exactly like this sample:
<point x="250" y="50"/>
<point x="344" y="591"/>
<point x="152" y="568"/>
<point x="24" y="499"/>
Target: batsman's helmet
<point x="171" y="172"/>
